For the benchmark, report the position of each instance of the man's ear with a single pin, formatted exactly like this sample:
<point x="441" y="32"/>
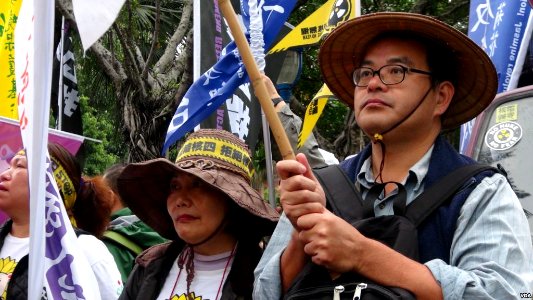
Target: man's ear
<point x="444" y="93"/>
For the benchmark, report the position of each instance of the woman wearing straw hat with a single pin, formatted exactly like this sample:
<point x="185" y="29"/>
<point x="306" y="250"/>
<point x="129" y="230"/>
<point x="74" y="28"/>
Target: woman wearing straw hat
<point x="407" y="77"/>
<point x="205" y="205"/>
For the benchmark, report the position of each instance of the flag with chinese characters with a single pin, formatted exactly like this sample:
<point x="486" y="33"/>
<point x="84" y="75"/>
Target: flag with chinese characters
<point x="503" y="29"/>
<point x="65" y="102"/>
<point x="211" y="35"/>
<point x="313" y="112"/>
<point x="311" y="30"/>
<point x="57" y="267"/>
<point x="8" y="91"/>
<point x="219" y="82"/>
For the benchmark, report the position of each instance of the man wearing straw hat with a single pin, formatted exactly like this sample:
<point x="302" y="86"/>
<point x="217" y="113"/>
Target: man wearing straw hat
<point x="407" y="77"/>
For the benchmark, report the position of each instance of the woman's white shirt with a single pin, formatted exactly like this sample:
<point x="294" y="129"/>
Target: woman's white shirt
<point x="103" y="265"/>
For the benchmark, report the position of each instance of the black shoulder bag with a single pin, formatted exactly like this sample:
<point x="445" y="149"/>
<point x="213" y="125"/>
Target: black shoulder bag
<point x="397" y="231"/>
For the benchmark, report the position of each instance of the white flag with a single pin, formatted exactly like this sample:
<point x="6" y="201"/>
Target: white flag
<point x="55" y="261"/>
<point x="94" y="18"/>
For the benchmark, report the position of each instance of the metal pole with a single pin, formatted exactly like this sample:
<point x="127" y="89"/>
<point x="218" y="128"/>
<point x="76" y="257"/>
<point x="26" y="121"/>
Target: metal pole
<point x="268" y="159"/>
<point x="59" y="120"/>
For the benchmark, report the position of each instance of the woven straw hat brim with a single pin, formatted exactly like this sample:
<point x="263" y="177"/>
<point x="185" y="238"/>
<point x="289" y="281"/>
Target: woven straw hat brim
<point x="144" y="187"/>
<point x="345" y="46"/>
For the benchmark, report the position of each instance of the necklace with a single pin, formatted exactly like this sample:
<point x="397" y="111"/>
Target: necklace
<point x="221" y="280"/>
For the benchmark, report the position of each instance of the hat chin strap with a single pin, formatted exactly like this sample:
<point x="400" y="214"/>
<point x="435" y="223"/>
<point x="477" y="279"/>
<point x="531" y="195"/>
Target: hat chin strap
<point x="377" y="138"/>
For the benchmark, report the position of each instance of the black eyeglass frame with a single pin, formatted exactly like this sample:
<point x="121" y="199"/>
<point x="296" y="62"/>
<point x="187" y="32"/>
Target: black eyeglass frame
<point x="378" y="72"/>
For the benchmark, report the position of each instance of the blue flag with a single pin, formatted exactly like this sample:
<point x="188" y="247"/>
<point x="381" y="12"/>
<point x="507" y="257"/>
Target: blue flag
<point x="216" y="85"/>
<point x="501" y="28"/>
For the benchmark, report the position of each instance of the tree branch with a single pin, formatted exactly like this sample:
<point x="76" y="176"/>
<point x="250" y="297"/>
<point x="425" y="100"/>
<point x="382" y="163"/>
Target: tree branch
<point x="184" y="67"/>
<point x="453" y="11"/>
<point x="130" y="59"/>
<point x="112" y="67"/>
<point x="185" y="64"/>
<point x="421" y="7"/>
<point x="155" y="35"/>
<point x="170" y="51"/>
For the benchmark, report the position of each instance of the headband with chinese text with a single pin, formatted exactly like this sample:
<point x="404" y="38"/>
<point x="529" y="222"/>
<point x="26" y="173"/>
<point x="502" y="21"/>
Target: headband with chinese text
<point x="219" y="149"/>
<point x="64" y="184"/>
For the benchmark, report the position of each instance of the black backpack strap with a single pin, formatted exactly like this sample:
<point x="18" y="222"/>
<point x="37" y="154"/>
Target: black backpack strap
<point x="433" y="197"/>
<point x="376" y="192"/>
<point x="346" y="202"/>
<point x="341" y="196"/>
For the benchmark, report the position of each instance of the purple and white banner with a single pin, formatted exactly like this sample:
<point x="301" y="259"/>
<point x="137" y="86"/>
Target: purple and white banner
<point x="57" y="266"/>
<point x="68" y="274"/>
<point x="503" y="29"/>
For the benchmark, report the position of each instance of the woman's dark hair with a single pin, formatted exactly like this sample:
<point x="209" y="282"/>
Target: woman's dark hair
<point x="243" y="225"/>
<point x="111" y="175"/>
<point x="92" y="207"/>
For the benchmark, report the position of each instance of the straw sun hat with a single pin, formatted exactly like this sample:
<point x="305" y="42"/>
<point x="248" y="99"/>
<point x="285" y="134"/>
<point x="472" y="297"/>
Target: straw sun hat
<point x="215" y="156"/>
<point x="344" y="48"/>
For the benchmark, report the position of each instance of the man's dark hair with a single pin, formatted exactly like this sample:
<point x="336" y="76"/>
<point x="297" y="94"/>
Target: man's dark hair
<point x="111" y="175"/>
<point x="440" y="58"/>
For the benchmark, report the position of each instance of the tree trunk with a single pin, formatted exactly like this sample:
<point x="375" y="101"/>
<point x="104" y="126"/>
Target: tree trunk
<point x="148" y="88"/>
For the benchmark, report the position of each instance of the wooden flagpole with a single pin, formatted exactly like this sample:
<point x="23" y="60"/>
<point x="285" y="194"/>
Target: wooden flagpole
<point x="260" y="89"/>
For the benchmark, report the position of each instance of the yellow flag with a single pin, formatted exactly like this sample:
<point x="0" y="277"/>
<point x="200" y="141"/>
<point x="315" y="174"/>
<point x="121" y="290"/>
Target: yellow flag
<point x="8" y="91"/>
<point x="313" y="112"/>
<point x="318" y="24"/>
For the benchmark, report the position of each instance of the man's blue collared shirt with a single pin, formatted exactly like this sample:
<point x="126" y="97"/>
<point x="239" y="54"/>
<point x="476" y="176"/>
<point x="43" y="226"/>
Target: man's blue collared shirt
<point x="491" y="255"/>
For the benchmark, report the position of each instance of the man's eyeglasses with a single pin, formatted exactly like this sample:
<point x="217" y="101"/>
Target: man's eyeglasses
<point x="388" y="74"/>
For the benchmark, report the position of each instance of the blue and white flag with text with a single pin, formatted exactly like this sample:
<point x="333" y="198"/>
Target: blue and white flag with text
<point x="218" y="83"/>
<point x="503" y="29"/>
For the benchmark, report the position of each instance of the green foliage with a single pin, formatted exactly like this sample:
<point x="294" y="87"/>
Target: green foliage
<point x="138" y="18"/>
<point x="258" y="158"/>
<point x="259" y="178"/>
<point x="370" y="6"/>
<point x="332" y="120"/>
<point x="100" y="115"/>
<point x="96" y="125"/>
